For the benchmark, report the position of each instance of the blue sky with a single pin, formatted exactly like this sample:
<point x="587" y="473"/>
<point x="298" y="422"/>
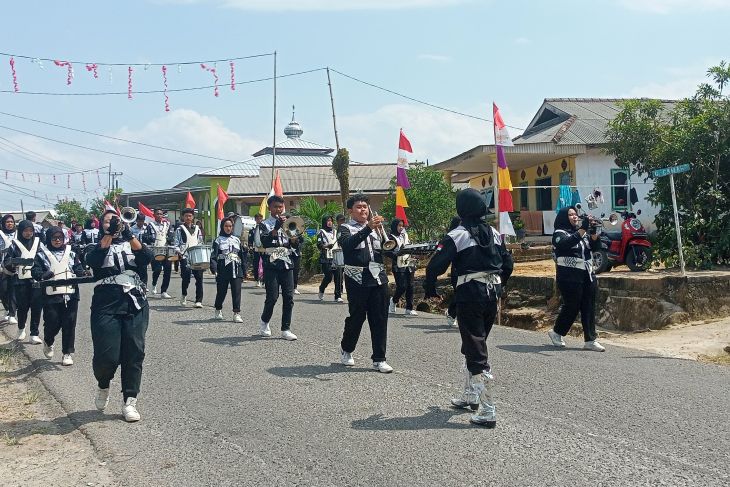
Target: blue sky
<point x="460" y="54"/>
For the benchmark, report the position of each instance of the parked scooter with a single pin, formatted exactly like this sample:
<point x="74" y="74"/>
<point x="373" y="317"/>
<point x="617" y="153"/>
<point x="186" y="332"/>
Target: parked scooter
<point x="628" y="246"/>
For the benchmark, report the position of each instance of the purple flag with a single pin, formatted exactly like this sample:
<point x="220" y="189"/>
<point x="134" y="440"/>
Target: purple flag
<point x="401" y="178"/>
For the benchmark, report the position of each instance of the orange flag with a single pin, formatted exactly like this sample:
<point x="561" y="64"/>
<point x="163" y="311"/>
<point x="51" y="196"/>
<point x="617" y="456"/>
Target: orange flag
<point x="278" y="190"/>
<point x="222" y="198"/>
<point x="189" y="201"/>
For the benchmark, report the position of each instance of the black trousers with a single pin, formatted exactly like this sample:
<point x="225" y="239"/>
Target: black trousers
<point x="60" y="317"/>
<point x="258" y="276"/>
<point x="297" y="264"/>
<point x="577" y="297"/>
<point x="164" y="267"/>
<point x="451" y="311"/>
<point x="475" y="322"/>
<point x="119" y="340"/>
<point x="185" y="272"/>
<point x="275" y="279"/>
<point x="371" y="303"/>
<point x="29" y="299"/>
<point x="222" y="284"/>
<point x="330" y="272"/>
<point x="7" y="294"/>
<point x="403" y="285"/>
<point x="143" y="274"/>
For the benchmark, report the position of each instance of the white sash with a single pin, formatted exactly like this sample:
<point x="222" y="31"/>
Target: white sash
<point x="24" y="270"/>
<point x="60" y="271"/>
<point x="161" y="234"/>
<point x="188" y="238"/>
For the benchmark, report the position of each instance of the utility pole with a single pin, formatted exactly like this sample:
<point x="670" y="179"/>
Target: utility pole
<point x="115" y="181"/>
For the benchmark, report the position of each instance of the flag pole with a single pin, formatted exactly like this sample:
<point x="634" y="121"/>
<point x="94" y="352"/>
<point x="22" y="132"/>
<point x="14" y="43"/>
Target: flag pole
<point x="495" y="171"/>
<point x="273" y="146"/>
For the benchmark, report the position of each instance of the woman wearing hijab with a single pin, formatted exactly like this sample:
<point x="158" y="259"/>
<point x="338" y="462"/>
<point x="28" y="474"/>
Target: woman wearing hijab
<point x="481" y="263"/>
<point x="25" y="246"/>
<point x="226" y="264"/>
<point x="60" y="304"/>
<point x="326" y="242"/>
<point x="575" y="277"/>
<point x="119" y="312"/>
<point x="402" y="270"/>
<point x="8" y="233"/>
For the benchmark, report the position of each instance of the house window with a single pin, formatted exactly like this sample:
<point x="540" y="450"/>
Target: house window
<point x="524" y="197"/>
<point x="544" y="196"/>
<point x="619" y="189"/>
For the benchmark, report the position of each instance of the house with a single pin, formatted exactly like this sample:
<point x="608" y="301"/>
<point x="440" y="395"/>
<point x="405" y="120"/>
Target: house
<point x="563" y="145"/>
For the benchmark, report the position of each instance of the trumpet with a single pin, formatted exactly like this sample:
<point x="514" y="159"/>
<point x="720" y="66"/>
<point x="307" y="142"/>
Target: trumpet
<point x="595" y="223"/>
<point x="386" y="242"/>
<point x="294" y="227"/>
<point x="128" y="215"/>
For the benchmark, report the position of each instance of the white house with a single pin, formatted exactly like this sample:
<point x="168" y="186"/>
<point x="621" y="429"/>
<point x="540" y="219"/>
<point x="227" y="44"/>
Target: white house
<point x="563" y="145"/>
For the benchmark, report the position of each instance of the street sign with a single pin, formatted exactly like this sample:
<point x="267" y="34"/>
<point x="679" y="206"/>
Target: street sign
<point x="657" y="173"/>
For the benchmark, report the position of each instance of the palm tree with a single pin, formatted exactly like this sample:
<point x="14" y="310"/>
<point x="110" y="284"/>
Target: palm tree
<point x="312" y="212"/>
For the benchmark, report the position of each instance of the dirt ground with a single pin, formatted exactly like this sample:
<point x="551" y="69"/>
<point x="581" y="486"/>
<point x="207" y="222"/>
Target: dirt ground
<point x="39" y="445"/>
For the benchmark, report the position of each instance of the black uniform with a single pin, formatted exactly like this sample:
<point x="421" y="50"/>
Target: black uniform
<point x="402" y="270"/>
<point x="226" y="263"/>
<point x="138" y="232"/>
<point x="575" y="277"/>
<point x="119" y="313"/>
<point x="27" y="297"/>
<point x="278" y="270"/>
<point x="367" y="287"/>
<point x="256" y="256"/>
<point x="7" y="294"/>
<point x="181" y="242"/>
<point x="326" y="241"/>
<point x="159" y="234"/>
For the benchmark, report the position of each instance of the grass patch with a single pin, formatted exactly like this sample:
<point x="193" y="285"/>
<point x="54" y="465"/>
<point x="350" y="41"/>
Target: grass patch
<point x="11" y="440"/>
<point x="31" y="397"/>
<point x="40" y="430"/>
<point x="6" y="356"/>
<point x="723" y="359"/>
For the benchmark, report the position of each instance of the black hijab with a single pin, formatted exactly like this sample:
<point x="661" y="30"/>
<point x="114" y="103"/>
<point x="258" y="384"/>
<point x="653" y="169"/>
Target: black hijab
<point x="455" y="222"/>
<point x="472" y="208"/>
<point x="562" y="222"/>
<point x="394" y="226"/>
<point x="222" y="233"/>
<point x="49" y="238"/>
<point x="324" y="223"/>
<point x="4" y="221"/>
<point x="28" y="242"/>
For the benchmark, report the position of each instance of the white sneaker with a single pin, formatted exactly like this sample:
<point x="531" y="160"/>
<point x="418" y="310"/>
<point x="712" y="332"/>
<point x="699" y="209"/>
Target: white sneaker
<point x="154" y="289"/>
<point x="35" y="340"/>
<point x="166" y="296"/>
<point x="296" y="291"/>
<point x="48" y="351"/>
<point x="5" y="318"/>
<point x="556" y="339"/>
<point x="259" y="284"/>
<point x="383" y="367"/>
<point x="346" y="358"/>
<point x="594" y="346"/>
<point x="21" y="334"/>
<point x="129" y="410"/>
<point x="288" y="335"/>
<point x="321" y="296"/>
<point x="13" y="320"/>
<point x="410" y="312"/>
<point x="183" y="301"/>
<point x="264" y="329"/>
<point x="67" y="359"/>
<point x="218" y="315"/>
<point x="102" y="398"/>
<point x="486" y="415"/>
<point x="391" y="306"/>
<point x="451" y="321"/>
<point x="339" y="300"/>
<point x="237" y="318"/>
<point x="198" y="304"/>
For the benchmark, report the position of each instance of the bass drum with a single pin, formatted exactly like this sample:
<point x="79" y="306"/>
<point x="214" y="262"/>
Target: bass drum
<point x="199" y="257"/>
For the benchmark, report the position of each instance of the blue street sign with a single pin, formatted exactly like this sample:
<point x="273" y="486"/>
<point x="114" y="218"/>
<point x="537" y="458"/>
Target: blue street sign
<point x="657" y="173"/>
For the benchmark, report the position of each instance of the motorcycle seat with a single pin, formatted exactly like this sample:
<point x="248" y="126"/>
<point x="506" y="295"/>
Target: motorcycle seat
<point x="613" y="235"/>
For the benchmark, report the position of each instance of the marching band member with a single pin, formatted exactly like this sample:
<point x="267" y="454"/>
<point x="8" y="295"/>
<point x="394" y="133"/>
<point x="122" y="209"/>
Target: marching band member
<point x="138" y="229"/>
<point x="25" y="246"/>
<point x="8" y="233"/>
<point x="327" y="241"/>
<point x="77" y="234"/>
<point x="296" y="260"/>
<point x="119" y="312"/>
<point x="479" y="258"/>
<point x="91" y="232"/>
<point x="158" y="234"/>
<point x="279" y="272"/>
<point x="188" y="235"/>
<point x="226" y="263"/>
<point x="451" y="310"/>
<point x="254" y="242"/>
<point x="402" y="270"/>
<point x="339" y="271"/>
<point x="366" y="283"/>
<point x="37" y="227"/>
<point x="60" y="304"/>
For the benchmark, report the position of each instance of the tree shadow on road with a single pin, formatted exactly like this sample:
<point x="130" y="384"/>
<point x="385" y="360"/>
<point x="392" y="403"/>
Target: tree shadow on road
<point x="176" y="308"/>
<point x="435" y="418"/>
<point x="538" y="349"/>
<point x="234" y="341"/>
<point x="433" y="328"/>
<point x="34" y="368"/>
<point x="315" y="371"/>
<point x="61" y="425"/>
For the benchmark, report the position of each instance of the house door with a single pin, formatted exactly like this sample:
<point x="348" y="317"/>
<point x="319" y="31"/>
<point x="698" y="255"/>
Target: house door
<point x="544" y="196"/>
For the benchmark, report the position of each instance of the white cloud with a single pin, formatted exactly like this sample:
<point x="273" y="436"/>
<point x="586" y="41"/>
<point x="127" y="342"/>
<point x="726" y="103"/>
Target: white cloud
<point x="670" y="6"/>
<point x="324" y="5"/>
<point x="434" y="57"/>
<point x="676" y="83"/>
<point x="522" y="41"/>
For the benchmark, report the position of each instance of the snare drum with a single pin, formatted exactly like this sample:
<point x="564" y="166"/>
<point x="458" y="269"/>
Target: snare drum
<point x="199" y="257"/>
<point x="338" y="258"/>
<point x="160" y="253"/>
<point x="172" y="254"/>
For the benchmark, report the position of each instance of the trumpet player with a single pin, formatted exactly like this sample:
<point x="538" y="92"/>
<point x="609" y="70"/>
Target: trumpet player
<point x="402" y="268"/>
<point x="188" y="235"/>
<point x="361" y="240"/>
<point x="278" y="268"/>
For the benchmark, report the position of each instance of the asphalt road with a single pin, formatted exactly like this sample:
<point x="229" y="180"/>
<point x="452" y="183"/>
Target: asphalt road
<point x="221" y="406"/>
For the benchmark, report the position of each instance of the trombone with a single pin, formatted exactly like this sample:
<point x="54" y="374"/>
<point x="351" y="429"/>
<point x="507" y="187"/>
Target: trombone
<point x="386" y="242"/>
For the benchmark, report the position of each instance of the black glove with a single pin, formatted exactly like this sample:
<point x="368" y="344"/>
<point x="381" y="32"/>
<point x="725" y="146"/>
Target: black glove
<point x="47" y="275"/>
<point x="113" y="225"/>
<point x="585" y="224"/>
<point x="127" y="234"/>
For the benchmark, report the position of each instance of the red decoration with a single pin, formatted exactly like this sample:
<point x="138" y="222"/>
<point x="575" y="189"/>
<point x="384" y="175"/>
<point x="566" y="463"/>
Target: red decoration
<point x="23" y="176"/>
<point x="68" y="181"/>
<point x="233" y="76"/>
<point x="39" y="178"/>
<point x="69" y="69"/>
<point x="6" y="175"/>
<point x="215" y="77"/>
<point x="93" y="68"/>
<point x="129" y="82"/>
<point x="54" y="178"/>
<point x="15" y="75"/>
<point x="164" y="82"/>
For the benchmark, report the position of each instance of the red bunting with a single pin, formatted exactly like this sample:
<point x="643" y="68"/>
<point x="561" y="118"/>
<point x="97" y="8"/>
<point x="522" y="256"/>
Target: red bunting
<point x="215" y="77"/>
<point x="233" y="76"/>
<point x="15" y="76"/>
<point x="129" y="82"/>
<point x="93" y="68"/>
<point x="164" y="83"/>
<point x="70" y="70"/>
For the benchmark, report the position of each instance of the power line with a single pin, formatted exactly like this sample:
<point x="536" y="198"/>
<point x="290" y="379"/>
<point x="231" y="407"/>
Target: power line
<point x="24" y="153"/>
<point x="35" y="59"/>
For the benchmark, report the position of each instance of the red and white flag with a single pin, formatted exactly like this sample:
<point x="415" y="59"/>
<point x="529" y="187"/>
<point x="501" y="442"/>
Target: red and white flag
<point x="404" y="149"/>
<point x="222" y="198"/>
<point x="189" y="201"/>
<point x="145" y="211"/>
<point x="108" y="207"/>
<point x="501" y="135"/>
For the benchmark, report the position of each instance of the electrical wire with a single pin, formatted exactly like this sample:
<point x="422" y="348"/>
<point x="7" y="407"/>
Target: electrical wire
<point x="240" y="58"/>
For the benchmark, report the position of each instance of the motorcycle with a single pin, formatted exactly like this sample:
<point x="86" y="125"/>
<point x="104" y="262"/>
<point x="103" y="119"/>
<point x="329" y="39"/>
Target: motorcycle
<point x="628" y="246"/>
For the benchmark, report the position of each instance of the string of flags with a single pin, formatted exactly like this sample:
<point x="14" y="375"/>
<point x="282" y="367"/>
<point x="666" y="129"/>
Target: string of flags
<point x="504" y="183"/>
<point x="401" y="178"/>
<point x="54" y="178"/>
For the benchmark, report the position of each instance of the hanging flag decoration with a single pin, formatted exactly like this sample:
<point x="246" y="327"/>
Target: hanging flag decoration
<point x="39" y="178"/>
<point x="98" y="178"/>
<point x="38" y="61"/>
<point x="15" y="75"/>
<point x="233" y="75"/>
<point x="222" y="198"/>
<point x="93" y="68"/>
<point x="189" y="201"/>
<point x="129" y="82"/>
<point x="164" y="83"/>
<point x="145" y="211"/>
<point x="504" y="182"/>
<point x="215" y="77"/>
<point x="83" y="181"/>
<point x="54" y="177"/>
<point x="401" y="178"/>
<point x="69" y="69"/>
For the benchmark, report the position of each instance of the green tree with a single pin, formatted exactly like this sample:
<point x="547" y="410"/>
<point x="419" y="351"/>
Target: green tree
<point x="70" y="210"/>
<point x="431" y="204"/>
<point x="312" y="213"/>
<point x="648" y="135"/>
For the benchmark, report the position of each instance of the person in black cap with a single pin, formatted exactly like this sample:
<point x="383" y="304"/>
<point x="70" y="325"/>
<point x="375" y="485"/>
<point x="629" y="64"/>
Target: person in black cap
<point x="326" y="242"/>
<point x="480" y="260"/>
<point x="188" y="235"/>
<point x="119" y="312"/>
<point x="60" y="304"/>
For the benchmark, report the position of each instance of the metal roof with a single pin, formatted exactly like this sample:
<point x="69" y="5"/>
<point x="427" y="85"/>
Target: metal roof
<point x="295" y="145"/>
